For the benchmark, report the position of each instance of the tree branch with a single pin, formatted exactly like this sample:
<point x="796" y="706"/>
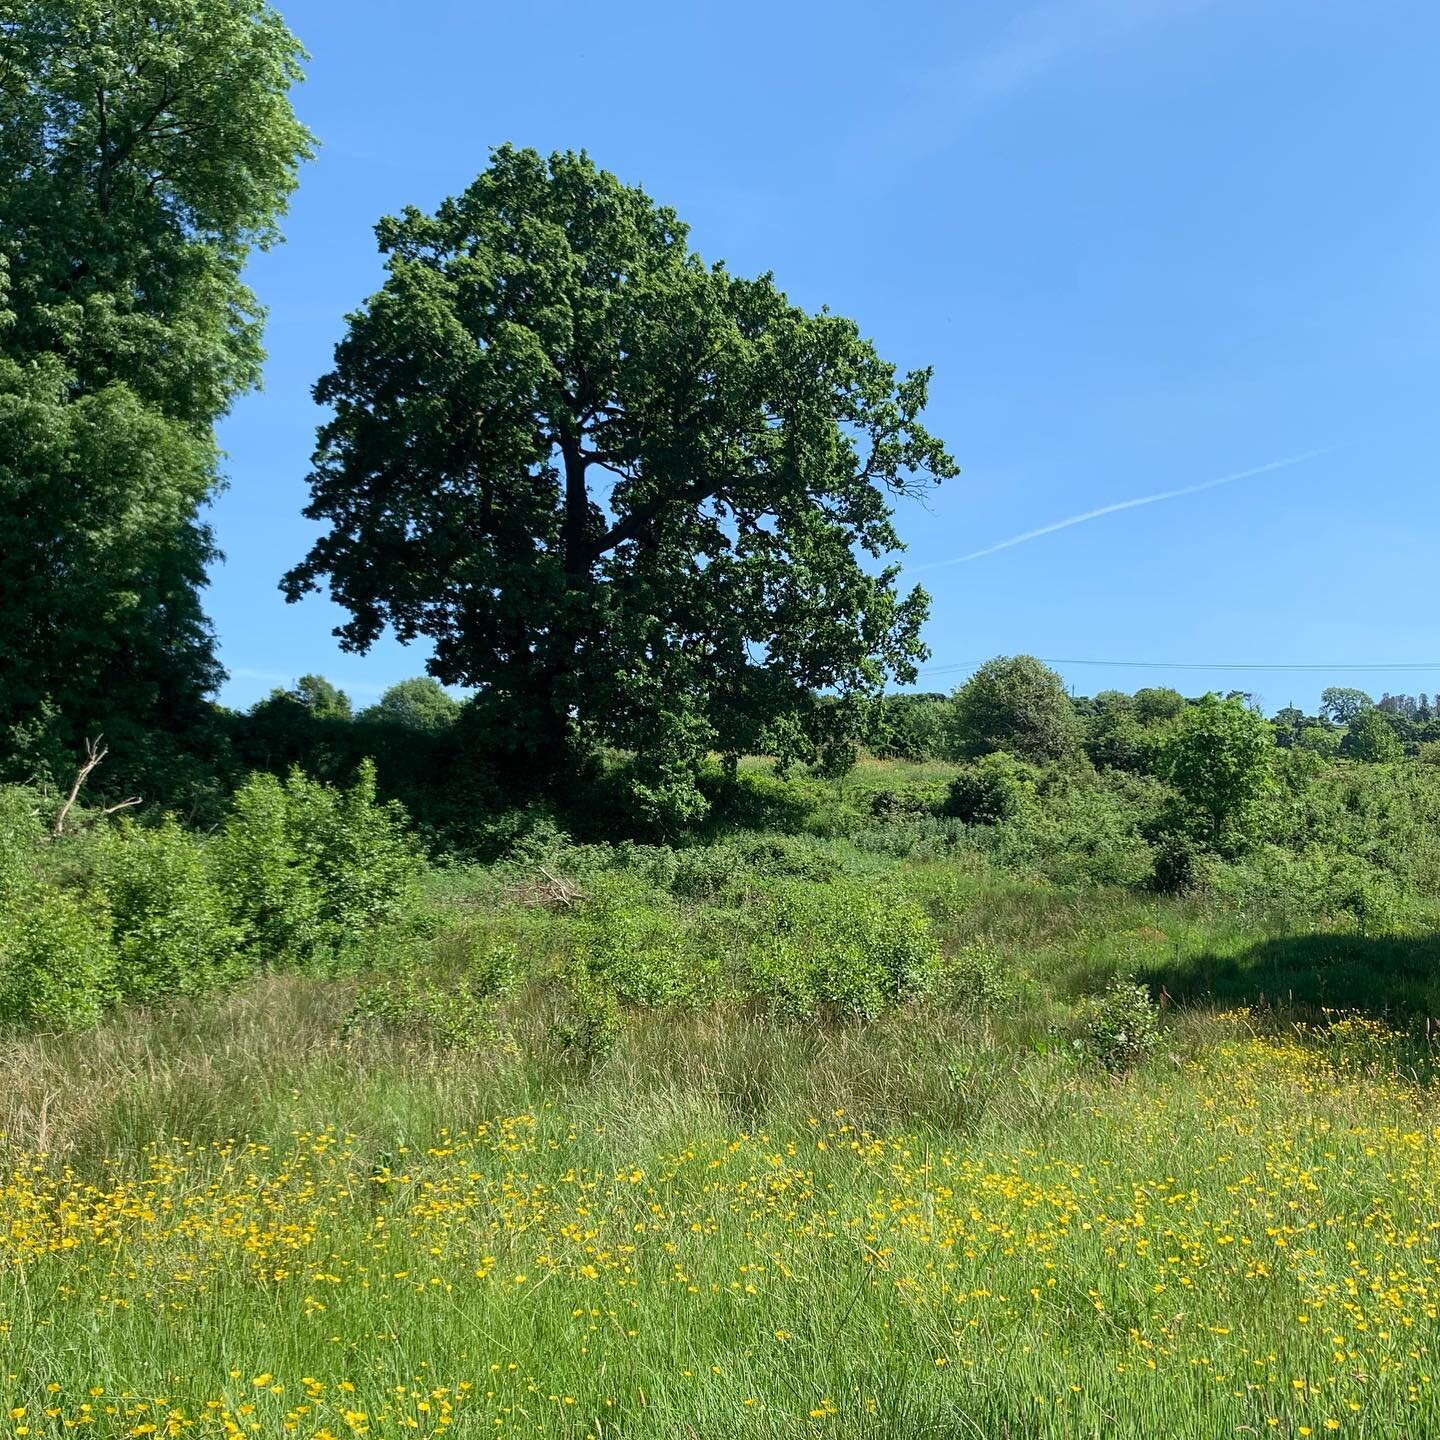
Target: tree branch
<point x="95" y="752"/>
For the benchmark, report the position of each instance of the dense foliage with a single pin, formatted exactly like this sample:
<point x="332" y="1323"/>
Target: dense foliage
<point x="144" y="151"/>
<point x="621" y="490"/>
<point x="299" y="874"/>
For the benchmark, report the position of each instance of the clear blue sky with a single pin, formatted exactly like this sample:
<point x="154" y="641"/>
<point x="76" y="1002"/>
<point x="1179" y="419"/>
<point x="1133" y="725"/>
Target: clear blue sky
<point x="1145" y="244"/>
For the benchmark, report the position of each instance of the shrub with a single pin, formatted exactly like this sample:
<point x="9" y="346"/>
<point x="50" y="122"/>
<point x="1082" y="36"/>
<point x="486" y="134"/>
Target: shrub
<point x="268" y="881"/>
<point x="706" y="871"/>
<point x="1121" y="1027"/>
<point x="308" y="869"/>
<point x="977" y="978"/>
<point x="1371" y="740"/>
<point x="170" y="921"/>
<point x="1178" y="867"/>
<point x="843" y="948"/>
<point x="994" y="788"/>
<point x="1084" y="828"/>
<point x="642" y="946"/>
<point x="56" y="959"/>
<point x="20" y="835"/>
<point x="913" y="803"/>
<point x="593" y="1026"/>
<point x="1220" y="760"/>
<point x="456" y="1016"/>
<point x="925" y="839"/>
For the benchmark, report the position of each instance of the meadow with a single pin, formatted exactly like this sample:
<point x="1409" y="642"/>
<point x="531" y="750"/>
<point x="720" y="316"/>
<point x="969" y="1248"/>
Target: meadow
<point x="782" y="1134"/>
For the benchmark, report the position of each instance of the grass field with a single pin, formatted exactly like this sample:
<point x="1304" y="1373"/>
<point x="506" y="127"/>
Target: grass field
<point x="774" y="1188"/>
<point x="923" y="1227"/>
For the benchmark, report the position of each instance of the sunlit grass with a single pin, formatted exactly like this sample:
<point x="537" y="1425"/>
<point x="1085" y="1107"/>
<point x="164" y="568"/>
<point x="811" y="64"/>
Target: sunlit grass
<point x="730" y="1228"/>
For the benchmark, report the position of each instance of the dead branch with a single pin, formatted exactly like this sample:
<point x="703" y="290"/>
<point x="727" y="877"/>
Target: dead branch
<point x="552" y="893"/>
<point x="95" y="752"/>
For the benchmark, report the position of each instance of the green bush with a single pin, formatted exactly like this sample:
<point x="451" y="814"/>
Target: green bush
<point x="593" y="1024"/>
<point x="1179" y="865"/>
<point x="642" y="946"/>
<point x="976" y="977"/>
<point x="171" y="924"/>
<point x="454" y="1016"/>
<point x="1120" y="1028"/>
<point x="56" y="958"/>
<point x="843" y="948"/>
<point x="1083" y="828"/>
<point x="308" y="869"/>
<point x="994" y="788"/>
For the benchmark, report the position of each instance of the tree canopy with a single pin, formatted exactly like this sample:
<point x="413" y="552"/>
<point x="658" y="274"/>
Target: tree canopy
<point x="1342" y="703"/>
<point x="1220" y="760"/>
<point x="1015" y="703"/>
<point x="145" y="147"/>
<point x="1372" y="739"/>
<point x="621" y="490"/>
<point x="419" y="704"/>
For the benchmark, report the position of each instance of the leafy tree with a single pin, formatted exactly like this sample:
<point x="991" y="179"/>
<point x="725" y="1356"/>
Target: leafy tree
<point x="1155" y="704"/>
<point x="1342" y="703"/>
<point x="1018" y="704"/>
<point x="418" y="704"/>
<point x="915" y="727"/>
<point x="622" y="491"/>
<point x="145" y="147"/>
<point x="1288" y="721"/>
<point x="1371" y="739"/>
<point x="1319" y="739"/>
<point x="322" y="699"/>
<point x="1109" y="701"/>
<point x="308" y="725"/>
<point x="1219" y="759"/>
<point x="1116" y="740"/>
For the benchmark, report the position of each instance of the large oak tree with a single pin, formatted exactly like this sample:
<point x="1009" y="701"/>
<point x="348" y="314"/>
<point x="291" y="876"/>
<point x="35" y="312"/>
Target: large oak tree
<point x="629" y="496"/>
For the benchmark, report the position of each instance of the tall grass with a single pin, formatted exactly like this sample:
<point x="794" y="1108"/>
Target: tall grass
<point x="932" y="1225"/>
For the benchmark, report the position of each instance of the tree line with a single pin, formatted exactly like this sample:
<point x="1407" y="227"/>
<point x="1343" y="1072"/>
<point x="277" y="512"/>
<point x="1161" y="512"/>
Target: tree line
<point x="1019" y="704"/>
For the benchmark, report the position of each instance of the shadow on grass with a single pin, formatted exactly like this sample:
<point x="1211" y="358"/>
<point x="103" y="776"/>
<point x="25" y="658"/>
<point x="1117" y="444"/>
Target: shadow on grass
<point x="1394" y="977"/>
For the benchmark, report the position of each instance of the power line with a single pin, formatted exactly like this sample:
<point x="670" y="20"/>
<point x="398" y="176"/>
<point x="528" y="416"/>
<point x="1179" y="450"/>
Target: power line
<point x="1289" y="668"/>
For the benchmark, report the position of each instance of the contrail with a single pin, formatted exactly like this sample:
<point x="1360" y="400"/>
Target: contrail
<point x="1118" y="505"/>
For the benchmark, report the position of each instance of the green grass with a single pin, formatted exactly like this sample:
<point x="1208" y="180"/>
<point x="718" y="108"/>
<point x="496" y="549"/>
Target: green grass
<point x="953" y="1229"/>
<point x="227" y="1217"/>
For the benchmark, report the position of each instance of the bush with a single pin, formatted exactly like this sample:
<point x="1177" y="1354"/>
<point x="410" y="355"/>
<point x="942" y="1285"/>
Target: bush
<point x="1371" y="740"/>
<point x="593" y="1026"/>
<point x="171" y="925"/>
<point x="1084" y="828"/>
<point x="1121" y="1027"/>
<point x="1220" y="758"/>
<point x="842" y="948"/>
<point x="977" y="978"/>
<point x="1179" y="866"/>
<point x="994" y="788"/>
<point x="904" y="805"/>
<point x="642" y="946"/>
<point x="456" y="1016"/>
<point x="56" y="959"/>
<point x="308" y="869"/>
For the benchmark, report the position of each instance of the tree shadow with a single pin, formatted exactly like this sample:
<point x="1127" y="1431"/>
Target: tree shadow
<point x="1390" y="977"/>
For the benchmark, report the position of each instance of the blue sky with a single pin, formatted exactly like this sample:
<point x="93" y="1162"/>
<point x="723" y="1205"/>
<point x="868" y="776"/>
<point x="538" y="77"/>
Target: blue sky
<point x="1146" y="245"/>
